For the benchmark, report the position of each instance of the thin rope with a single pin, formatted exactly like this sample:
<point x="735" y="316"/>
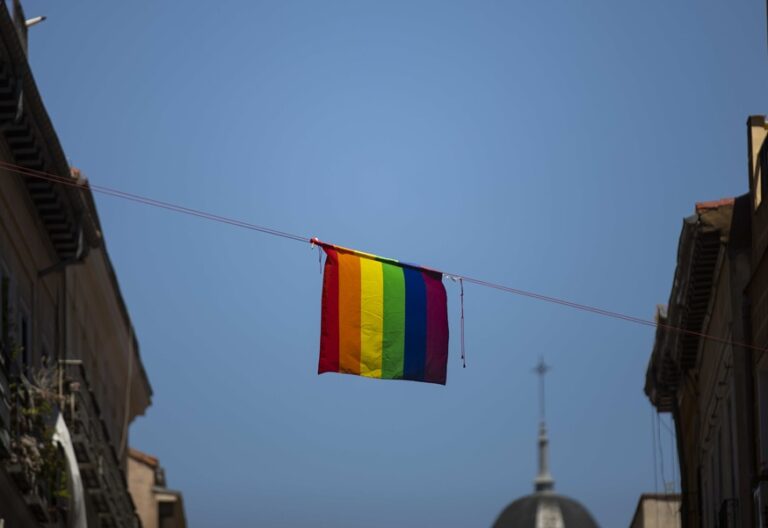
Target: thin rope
<point x="127" y="412"/>
<point x="667" y="427"/>
<point x="672" y="455"/>
<point x="655" y="463"/>
<point x="463" y="350"/>
<point x="661" y="453"/>
<point x="83" y="185"/>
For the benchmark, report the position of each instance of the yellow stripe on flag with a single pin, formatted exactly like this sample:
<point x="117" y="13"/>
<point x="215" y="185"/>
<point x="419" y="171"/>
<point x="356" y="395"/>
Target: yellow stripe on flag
<point x="371" y="317"/>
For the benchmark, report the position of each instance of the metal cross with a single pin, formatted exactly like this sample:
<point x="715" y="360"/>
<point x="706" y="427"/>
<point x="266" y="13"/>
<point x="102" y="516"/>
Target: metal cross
<point x="541" y="370"/>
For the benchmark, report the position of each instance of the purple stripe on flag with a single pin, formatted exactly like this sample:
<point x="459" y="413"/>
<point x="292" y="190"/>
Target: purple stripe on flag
<point x="437" y="328"/>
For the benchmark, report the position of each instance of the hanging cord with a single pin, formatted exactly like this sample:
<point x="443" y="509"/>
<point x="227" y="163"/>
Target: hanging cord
<point x="463" y="350"/>
<point x="129" y="383"/>
<point x="660" y="447"/>
<point x="655" y="461"/>
<point x="672" y="454"/>
<point x="460" y="280"/>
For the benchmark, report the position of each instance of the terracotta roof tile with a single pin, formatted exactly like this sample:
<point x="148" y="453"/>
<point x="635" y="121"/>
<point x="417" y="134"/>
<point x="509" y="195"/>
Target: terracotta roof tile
<point x="143" y="457"/>
<point x="714" y="204"/>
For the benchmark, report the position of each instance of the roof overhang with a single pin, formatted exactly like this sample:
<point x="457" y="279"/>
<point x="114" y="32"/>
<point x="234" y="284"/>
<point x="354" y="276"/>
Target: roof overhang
<point x="700" y="250"/>
<point x="66" y="212"/>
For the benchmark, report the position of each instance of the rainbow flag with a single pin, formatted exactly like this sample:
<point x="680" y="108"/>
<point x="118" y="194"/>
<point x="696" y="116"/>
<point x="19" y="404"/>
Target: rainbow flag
<point x="382" y="318"/>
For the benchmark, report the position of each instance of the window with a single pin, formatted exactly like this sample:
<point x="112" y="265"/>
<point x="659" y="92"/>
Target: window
<point x="731" y="440"/>
<point x="5" y="283"/>
<point x="24" y="341"/>
<point x="45" y="360"/>
<point x="705" y="497"/>
<point x="762" y="390"/>
<point x="714" y="497"/>
<point x="6" y="317"/>
<point x="761" y="174"/>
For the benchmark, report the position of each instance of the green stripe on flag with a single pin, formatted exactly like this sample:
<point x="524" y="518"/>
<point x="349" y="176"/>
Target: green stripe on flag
<point x="394" y="322"/>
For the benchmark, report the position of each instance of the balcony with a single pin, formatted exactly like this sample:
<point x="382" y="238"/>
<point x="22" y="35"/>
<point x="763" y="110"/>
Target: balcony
<point x="29" y="458"/>
<point x="25" y="431"/>
<point x="103" y="478"/>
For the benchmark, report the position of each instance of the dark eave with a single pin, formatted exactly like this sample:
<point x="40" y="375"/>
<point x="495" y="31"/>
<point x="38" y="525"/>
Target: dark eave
<point x="663" y="374"/>
<point x="27" y="130"/>
<point x="703" y="237"/>
<point x="66" y="212"/>
<point x="698" y="290"/>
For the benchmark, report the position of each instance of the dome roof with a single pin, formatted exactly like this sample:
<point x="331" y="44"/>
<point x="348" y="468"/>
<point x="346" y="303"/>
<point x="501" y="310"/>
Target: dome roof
<point x="545" y="510"/>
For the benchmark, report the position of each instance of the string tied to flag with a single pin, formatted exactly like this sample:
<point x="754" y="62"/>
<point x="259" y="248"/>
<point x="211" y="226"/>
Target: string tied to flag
<point x="460" y="280"/>
<point x="463" y="350"/>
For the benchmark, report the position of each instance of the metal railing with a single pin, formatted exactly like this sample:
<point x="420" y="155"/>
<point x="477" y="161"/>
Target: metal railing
<point x="103" y="477"/>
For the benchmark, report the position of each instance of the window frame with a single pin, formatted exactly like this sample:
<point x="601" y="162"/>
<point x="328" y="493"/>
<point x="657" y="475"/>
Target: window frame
<point x="24" y="331"/>
<point x="760" y="177"/>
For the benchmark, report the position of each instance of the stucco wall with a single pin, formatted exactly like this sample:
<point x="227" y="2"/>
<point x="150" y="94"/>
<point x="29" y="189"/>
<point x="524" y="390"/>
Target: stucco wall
<point x="657" y="513"/>
<point x="141" y="481"/>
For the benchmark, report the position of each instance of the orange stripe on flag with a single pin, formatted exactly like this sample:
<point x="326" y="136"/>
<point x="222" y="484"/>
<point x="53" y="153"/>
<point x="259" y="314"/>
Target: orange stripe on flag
<point x="349" y="313"/>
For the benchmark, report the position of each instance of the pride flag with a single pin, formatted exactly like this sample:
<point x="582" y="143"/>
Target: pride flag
<point x="382" y="319"/>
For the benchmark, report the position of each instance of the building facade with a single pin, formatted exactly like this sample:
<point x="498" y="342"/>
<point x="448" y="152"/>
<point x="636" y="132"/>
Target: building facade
<point x="657" y="510"/>
<point x="157" y="506"/>
<point x="708" y="366"/>
<point x="71" y="376"/>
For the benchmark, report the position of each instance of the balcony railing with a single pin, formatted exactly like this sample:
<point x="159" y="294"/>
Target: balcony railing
<point x="103" y="478"/>
<point x="104" y="481"/>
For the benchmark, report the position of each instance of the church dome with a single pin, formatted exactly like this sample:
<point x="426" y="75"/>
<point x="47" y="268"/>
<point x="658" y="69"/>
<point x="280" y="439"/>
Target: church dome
<point x="545" y="510"/>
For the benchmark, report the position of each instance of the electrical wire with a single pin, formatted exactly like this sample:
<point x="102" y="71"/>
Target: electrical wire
<point x="85" y="185"/>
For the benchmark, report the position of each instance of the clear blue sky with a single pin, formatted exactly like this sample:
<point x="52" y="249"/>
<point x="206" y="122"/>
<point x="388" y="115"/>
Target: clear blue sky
<point x="553" y="146"/>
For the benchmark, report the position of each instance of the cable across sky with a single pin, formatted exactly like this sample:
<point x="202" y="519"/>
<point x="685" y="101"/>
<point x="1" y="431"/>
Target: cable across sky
<point x="84" y="184"/>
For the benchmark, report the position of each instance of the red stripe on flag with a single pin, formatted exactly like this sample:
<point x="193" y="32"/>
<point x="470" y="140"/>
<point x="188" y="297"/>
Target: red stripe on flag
<point x="329" y="331"/>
